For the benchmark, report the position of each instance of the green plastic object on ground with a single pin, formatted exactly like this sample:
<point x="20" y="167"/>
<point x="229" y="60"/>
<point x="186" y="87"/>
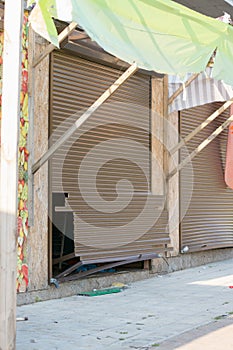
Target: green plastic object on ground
<point x="97" y="292"/>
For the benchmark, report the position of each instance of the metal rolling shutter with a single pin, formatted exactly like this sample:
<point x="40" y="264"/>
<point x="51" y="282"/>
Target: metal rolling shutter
<point x="75" y="84"/>
<point x="208" y="223"/>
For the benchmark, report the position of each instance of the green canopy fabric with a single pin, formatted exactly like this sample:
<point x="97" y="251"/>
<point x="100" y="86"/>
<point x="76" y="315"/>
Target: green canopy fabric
<point x="158" y="35"/>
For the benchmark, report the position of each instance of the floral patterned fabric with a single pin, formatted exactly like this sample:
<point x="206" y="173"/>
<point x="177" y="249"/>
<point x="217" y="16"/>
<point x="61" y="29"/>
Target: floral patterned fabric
<point x="22" y="267"/>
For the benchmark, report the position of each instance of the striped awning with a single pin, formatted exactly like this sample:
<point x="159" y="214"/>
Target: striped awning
<point x="202" y="90"/>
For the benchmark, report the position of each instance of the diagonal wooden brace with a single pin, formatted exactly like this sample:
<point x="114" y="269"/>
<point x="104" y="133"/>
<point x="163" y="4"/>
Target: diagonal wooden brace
<point x="64" y="34"/>
<point x="201" y="146"/>
<point x="202" y="126"/>
<point x="65" y="137"/>
<point x="181" y="88"/>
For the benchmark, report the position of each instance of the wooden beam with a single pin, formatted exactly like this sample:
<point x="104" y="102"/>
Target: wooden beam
<point x="172" y="185"/>
<point x="47" y="155"/>
<point x="165" y="151"/>
<point x="181" y="88"/>
<point x="146" y="265"/>
<point x="64" y="34"/>
<point x="165" y="126"/>
<point x="31" y="140"/>
<point x="78" y="36"/>
<point x="157" y="144"/>
<point x="38" y="185"/>
<point x="63" y="258"/>
<point x="201" y="146"/>
<point x="64" y="209"/>
<point x="9" y="170"/>
<point x="202" y="126"/>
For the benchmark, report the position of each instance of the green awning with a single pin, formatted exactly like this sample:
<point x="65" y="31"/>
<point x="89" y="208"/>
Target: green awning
<point x="158" y="35"/>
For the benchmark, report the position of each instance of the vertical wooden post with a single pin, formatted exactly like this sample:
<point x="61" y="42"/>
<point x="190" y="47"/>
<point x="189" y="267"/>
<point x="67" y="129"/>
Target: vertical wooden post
<point x="157" y="178"/>
<point x="8" y="170"/>
<point x="172" y="185"/>
<point x="165" y="125"/>
<point x="38" y="185"/>
<point x="157" y="144"/>
<point x="31" y="93"/>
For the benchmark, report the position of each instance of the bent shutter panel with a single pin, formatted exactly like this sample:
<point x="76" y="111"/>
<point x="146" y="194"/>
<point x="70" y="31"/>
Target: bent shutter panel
<point x="208" y="222"/>
<point x="105" y="160"/>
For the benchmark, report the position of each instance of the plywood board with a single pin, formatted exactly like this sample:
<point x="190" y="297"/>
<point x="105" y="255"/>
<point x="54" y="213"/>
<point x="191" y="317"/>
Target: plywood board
<point x="38" y="236"/>
<point x="173" y="184"/>
<point x="157" y="147"/>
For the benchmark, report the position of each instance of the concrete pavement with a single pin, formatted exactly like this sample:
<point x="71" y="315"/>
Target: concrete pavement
<point x="212" y="336"/>
<point x="184" y="310"/>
